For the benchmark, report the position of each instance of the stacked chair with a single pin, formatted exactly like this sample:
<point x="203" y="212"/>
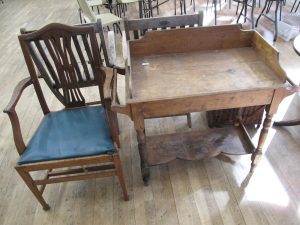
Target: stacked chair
<point x="88" y="16"/>
<point x="243" y="12"/>
<point x="266" y="10"/>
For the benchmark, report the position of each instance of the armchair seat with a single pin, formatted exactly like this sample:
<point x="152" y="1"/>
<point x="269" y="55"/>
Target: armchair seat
<point x="107" y="18"/>
<point x="68" y="134"/>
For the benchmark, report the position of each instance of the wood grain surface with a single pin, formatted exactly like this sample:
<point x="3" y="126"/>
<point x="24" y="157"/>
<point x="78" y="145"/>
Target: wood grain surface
<point x="159" y="77"/>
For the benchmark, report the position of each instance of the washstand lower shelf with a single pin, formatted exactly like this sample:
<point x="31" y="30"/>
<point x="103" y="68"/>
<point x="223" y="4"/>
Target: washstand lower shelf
<point x="197" y="145"/>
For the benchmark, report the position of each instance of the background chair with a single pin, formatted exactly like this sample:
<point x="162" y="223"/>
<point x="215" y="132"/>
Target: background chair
<point x="294" y="4"/>
<point x="96" y="3"/>
<point x="76" y="143"/>
<point x="88" y="15"/>
<point x="214" y="4"/>
<point x="121" y="6"/>
<point x="267" y="7"/>
<point x="243" y="11"/>
<point x="139" y="26"/>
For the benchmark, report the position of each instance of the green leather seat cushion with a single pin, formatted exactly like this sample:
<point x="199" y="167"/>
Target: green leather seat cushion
<point x="70" y="133"/>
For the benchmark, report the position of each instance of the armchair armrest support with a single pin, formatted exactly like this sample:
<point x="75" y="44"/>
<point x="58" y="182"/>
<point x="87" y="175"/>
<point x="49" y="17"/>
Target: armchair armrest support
<point x="11" y="111"/>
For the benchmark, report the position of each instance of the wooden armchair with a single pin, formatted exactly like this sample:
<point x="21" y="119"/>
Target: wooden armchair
<point x="81" y="141"/>
<point x="139" y="26"/>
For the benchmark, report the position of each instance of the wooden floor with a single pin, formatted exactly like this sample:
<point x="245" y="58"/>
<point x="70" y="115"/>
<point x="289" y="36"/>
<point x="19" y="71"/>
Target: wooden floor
<point x="214" y="191"/>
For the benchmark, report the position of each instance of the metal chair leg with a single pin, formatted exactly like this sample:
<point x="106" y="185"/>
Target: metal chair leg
<point x="276" y="20"/>
<point x="241" y="12"/>
<point x="264" y="8"/>
<point x="245" y="13"/>
<point x="252" y="12"/>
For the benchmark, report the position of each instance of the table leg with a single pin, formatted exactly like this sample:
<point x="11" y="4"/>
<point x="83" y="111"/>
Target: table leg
<point x="139" y="125"/>
<point x="256" y="156"/>
<point x="142" y="151"/>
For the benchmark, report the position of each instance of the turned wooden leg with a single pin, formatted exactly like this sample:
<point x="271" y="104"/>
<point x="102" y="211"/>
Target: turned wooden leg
<point x="139" y="125"/>
<point x="256" y="156"/>
<point x="33" y="188"/>
<point x="189" y="120"/>
<point x="142" y="150"/>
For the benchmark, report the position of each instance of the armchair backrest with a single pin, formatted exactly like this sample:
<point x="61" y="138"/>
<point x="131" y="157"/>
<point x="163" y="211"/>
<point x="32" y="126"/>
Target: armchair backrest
<point x="67" y="58"/>
<point x="140" y="26"/>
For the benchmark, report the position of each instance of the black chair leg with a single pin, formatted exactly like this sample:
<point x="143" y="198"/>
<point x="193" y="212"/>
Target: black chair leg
<point x="80" y="17"/>
<point x="194" y="6"/>
<point x="245" y="13"/>
<point x="252" y="12"/>
<point x="276" y="20"/>
<point x="181" y="11"/>
<point x="280" y="10"/>
<point x="175" y="6"/>
<point x="241" y="12"/>
<point x="297" y="7"/>
<point x="269" y="6"/>
<point x="264" y="8"/>
<point x="215" y="10"/>
<point x="293" y="5"/>
<point x="237" y="8"/>
<point x="118" y="29"/>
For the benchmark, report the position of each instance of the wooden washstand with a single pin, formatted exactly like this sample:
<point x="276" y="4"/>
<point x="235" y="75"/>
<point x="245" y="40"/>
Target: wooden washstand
<point x="200" y="69"/>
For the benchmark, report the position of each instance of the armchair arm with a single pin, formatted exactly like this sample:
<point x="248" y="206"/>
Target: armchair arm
<point x="11" y="111"/>
<point x="116" y="105"/>
<point x="17" y="94"/>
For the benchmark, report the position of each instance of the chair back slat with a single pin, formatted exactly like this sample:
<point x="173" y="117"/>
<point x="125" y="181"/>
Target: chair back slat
<point x="140" y="26"/>
<point x="38" y="60"/>
<point x="89" y="54"/>
<point x="59" y="48"/>
<point x="81" y="57"/>
<point x="47" y="62"/>
<point x="68" y="59"/>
